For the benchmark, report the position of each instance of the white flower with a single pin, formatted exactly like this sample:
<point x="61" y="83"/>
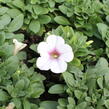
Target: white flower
<point x="54" y="54"/>
<point x="18" y="46"/>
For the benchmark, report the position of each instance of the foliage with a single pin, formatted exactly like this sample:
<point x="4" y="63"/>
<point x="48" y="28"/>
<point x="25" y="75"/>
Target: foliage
<point x="84" y="25"/>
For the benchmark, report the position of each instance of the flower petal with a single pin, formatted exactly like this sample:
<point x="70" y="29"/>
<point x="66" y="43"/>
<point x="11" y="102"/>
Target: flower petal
<point x="18" y="46"/>
<point x="66" y="52"/>
<point x="54" y="40"/>
<point x="43" y="48"/>
<point x="43" y="63"/>
<point x="67" y="57"/>
<point x="58" y="66"/>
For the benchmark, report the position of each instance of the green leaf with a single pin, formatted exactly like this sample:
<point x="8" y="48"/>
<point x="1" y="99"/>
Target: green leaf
<point x="2" y="38"/>
<point x="100" y="82"/>
<point x="44" y="19"/>
<point x="40" y="10"/>
<point x="3" y="96"/>
<point x="19" y="3"/>
<point x="78" y="94"/>
<point x="107" y="18"/>
<point x="34" y="1"/>
<point x="6" y="50"/>
<point x="59" y="1"/>
<point x="17" y="103"/>
<point x="71" y="101"/>
<point x="76" y="62"/>
<point x="69" y="79"/>
<point x="11" y="64"/>
<point x="48" y="105"/>
<point x="102" y="62"/>
<point x="26" y="104"/>
<point x="16" y="24"/>
<point x="34" y="26"/>
<point x="33" y="47"/>
<point x="9" y="35"/>
<point x="9" y="89"/>
<point x="75" y="70"/>
<point x="22" y="55"/>
<point x="107" y="42"/>
<point x="82" y="105"/>
<point x="107" y="103"/>
<point x="63" y="9"/>
<point x="19" y="37"/>
<point x="62" y="102"/>
<point x="107" y="51"/>
<point x="40" y="78"/>
<point x="34" y="106"/>
<point x="51" y="4"/>
<point x="3" y="10"/>
<point x="13" y="13"/>
<point x="4" y="20"/>
<point x="20" y="85"/>
<point x="61" y="20"/>
<point x="106" y="92"/>
<point x="35" y="90"/>
<point x="102" y="28"/>
<point x="107" y="78"/>
<point x="56" y="89"/>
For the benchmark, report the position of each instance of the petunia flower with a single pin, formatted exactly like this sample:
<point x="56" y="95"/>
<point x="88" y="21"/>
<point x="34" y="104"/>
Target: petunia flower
<point x="54" y="54"/>
<point x="18" y="46"/>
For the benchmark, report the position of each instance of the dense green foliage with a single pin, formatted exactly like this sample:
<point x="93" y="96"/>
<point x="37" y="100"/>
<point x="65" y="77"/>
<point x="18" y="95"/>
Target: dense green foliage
<point x="84" y="24"/>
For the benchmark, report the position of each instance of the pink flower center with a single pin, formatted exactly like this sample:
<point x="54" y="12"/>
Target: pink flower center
<point x="54" y="54"/>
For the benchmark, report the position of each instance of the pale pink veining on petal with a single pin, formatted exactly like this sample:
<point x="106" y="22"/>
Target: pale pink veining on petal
<point x="54" y="54"/>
